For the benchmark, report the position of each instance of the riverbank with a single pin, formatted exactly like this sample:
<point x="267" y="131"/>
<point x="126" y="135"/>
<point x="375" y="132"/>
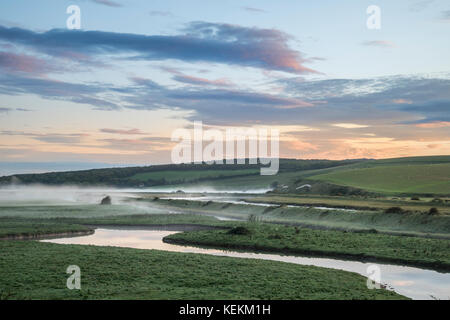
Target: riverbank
<point x="264" y="237"/>
<point x="123" y="273"/>
<point x="401" y="223"/>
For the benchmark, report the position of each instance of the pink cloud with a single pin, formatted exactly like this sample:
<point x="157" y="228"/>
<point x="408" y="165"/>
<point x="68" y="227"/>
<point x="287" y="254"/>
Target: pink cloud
<point x="13" y="62"/>
<point x="125" y="132"/>
<point x="436" y="124"/>
<point x="402" y="101"/>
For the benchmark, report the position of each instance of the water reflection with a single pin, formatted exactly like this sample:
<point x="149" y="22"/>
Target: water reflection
<point x="411" y="282"/>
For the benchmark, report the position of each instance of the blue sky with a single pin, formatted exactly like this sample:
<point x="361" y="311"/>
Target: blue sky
<point x="137" y="70"/>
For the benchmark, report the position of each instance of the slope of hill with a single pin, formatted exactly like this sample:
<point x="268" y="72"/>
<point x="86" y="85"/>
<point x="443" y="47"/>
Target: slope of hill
<point x="420" y="175"/>
<point x="160" y="175"/>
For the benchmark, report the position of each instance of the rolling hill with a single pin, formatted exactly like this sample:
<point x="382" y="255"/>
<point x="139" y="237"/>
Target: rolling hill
<point x="419" y="175"/>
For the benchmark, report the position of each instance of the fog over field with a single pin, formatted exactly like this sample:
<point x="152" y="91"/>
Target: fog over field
<point x="93" y="195"/>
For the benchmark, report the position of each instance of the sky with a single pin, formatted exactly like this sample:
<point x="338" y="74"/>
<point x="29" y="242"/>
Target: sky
<point x="115" y="90"/>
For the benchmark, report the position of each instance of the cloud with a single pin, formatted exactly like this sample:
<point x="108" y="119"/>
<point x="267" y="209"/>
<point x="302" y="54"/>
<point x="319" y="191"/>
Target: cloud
<point x="147" y="144"/>
<point x="183" y="78"/>
<point x="401" y="101"/>
<point x="57" y="138"/>
<point x="108" y="3"/>
<point x="435" y="124"/>
<point x="123" y="132"/>
<point x="254" y="10"/>
<point x="349" y="125"/>
<point x="59" y="90"/>
<point x="214" y="105"/>
<point x="60" y="138"/>
<point x="201" y="42"/>
<point x="5" y="110"/>
<point x="23" y="63"/>
<point x="201" y="81"/>
<point x="445" y="16"/>
<point x="380" y="44"/>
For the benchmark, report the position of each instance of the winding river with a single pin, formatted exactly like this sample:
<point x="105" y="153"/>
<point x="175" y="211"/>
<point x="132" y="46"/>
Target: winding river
<point x="412" y="282"/>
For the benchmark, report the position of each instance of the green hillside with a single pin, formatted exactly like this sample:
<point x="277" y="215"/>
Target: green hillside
<point x="192" y="175"/>
<point x="246" y="175"/>
<point x="401" y="177"/>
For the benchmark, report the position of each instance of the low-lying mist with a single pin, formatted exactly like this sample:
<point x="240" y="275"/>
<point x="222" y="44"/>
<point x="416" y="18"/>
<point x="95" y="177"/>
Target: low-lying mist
<point x="45" y="194"/>
<point x="63" y="194"/>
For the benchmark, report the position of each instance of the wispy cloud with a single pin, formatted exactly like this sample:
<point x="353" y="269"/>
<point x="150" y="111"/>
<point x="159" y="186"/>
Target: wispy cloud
<point x="435" y="124"/>
<point x="254" y="10"/>
<point x="350" y="125"/>
<point x="5" y="110"/>
<point x="59" y="90"/>
<point x="23" y="63"/>
<point x="123" y="131"/>
<point x="108" y="3"/>
<point x="445" y="16"/>
<point x="183" y="78"/>
<point x="380" y="43"/>
<point x="201" y="42"/>
<point x="56" y="138"/>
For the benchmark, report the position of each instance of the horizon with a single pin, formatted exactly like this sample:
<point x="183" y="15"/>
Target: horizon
<point x="38" y="167"/>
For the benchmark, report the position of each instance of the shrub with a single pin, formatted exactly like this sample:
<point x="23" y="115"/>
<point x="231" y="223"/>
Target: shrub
<point x="415" y="198"/>
<point x="394" y="210"/>
<point x="433" y="211"/>
<point x="239" y="231"/>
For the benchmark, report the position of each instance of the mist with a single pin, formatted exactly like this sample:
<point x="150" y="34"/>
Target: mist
<point x="45" y="194"/>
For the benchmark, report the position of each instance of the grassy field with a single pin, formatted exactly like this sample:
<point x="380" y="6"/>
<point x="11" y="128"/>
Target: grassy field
<point x="411" y="175"/>
<point x="10" y="227"/>
<point x="79" y="211"/>
<point x="360" y="203"/>
<point x="35" y="270"/>
<point x="32" y="227"/>
<point x="424" y="178"/>
<point x="407" y="223"/>
<point x="434" y="253"/>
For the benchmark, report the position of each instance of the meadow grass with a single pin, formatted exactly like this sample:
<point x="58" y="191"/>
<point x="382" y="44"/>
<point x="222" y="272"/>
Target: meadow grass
<point x="433" y="253"/>
<point x="382" y="203"/>
<point x="36" y="270"/>
<point x="32" y="227"/>
<point x="413" y="223"/>
<point x="423" y="178"/>
<point x="17" y="227"/>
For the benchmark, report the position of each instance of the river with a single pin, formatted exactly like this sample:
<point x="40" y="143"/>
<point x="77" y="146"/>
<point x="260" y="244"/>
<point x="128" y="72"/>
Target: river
<point x="416" y="283"/>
